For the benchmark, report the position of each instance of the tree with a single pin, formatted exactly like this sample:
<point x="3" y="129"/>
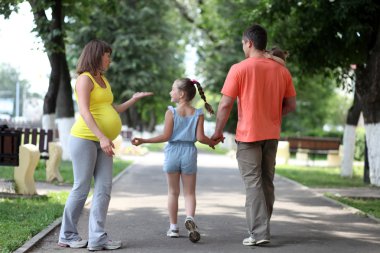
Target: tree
<point x="330" y="36"/>
<point x="218" y="27"/>
<point x="148" y="52"/>
<point x="50" y="28"/>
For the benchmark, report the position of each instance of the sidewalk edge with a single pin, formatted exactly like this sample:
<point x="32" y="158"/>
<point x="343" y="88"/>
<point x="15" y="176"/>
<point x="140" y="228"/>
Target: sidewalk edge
<point x="349" y="208"/>
<point x="38" y="237"/>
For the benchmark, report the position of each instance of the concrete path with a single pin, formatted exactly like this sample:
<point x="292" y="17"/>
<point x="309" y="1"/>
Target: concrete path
<point x="303" y="221"/>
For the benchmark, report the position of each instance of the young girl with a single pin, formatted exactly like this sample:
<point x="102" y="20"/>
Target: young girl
<point x="183" y="127"/>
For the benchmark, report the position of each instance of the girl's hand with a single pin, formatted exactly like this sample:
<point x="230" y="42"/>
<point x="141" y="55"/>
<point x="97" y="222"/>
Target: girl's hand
<point x="139" y="95"/>
<point x="137" y="141"/>
<point x="213" y="143"/>
<point x="107" y="146"/>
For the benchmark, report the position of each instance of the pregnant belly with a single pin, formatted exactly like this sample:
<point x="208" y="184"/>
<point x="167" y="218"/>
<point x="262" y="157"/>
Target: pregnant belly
<point x="109" y="122"/>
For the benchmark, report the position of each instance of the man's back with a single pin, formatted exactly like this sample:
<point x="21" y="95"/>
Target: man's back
<point x="260" y="85"/>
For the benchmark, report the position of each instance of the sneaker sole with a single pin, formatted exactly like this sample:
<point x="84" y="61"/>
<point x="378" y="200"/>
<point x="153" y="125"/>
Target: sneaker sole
<point x="194" y="235"/>
<point x="65" y="245"/>
<point x="173" y="236"/>
<point x="262" y="242"/>
<point x="103" y="248"/>
<point x="249" y="243"/>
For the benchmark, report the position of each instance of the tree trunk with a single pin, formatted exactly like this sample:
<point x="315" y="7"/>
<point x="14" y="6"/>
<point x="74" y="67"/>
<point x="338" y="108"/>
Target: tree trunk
<point x="349" y="137"/>
<point x="369" y="93"/>
<point x="58" y="99"/>
<point x="65" y="104"/>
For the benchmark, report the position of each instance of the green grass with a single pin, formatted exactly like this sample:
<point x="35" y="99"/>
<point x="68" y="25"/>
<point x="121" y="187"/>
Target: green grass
<point x="321" y="177"/>
<point x="370" y="206"/>
<point x="330" y="177"/>
<point x="65" y="169"/>
<point x="21" y="219"/>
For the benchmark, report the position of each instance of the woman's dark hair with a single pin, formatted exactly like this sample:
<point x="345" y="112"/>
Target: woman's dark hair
<point x="90" y="59"/>
<point x="188" y="87"/>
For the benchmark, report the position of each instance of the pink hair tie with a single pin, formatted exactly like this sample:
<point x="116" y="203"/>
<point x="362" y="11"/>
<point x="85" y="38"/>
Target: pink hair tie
<point x="194" y="81"/>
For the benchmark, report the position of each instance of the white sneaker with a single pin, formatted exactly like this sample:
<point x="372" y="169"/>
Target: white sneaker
<point x="192" y="228"/>
<point x="79" y="243"/>
<point x="110" y="245"/>
<point x="173" y="233"/>
<point x="250" y="241"/>
<point x="261" y="242"/>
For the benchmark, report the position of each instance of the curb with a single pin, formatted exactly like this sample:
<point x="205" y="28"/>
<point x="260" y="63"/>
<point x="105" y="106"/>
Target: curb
<point x="347" y="207"/>
<point x="38" y="237"/>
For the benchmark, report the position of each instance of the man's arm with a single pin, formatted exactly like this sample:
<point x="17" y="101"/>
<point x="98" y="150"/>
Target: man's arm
<point x="224" y="110"/>
<point x="288" y="105"/>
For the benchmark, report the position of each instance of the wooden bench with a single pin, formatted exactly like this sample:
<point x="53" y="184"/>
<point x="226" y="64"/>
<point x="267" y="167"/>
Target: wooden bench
<point x="315" y="145"/>
<point x="23" y="148"/>
<point x="11" y="139"/>
<point x="305" y="146"/>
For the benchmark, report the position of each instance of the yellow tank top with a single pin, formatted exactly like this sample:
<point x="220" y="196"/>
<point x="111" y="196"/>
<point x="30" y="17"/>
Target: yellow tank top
<point x="105" y="115"/>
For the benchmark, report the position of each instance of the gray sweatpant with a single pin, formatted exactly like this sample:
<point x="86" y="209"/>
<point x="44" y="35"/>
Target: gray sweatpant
<point x="89" y="161"/>
<point x="256" y="162"/>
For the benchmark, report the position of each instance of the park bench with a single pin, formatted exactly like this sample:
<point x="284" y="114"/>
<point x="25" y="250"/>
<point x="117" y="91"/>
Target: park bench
<point x="23" y="148"/>
<point x="11" y="139"/>
<point x="313" y="146"/>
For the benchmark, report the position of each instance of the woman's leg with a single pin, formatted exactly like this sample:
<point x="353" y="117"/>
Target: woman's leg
<point x="173" y="194"/>
<point x="101" y="199"/>
<point x="189" y="182"/>
<point x="83" y="154"/>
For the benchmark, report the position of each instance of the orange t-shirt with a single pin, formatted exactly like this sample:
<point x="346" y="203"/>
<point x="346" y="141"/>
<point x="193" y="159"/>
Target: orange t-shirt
<point x="260" y="84"/>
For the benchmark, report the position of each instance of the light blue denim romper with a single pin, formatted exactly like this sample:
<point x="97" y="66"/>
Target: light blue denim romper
<point x="180" y="152"/>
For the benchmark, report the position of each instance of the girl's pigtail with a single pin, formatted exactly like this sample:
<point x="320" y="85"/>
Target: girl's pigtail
<point x="202" y="94"/>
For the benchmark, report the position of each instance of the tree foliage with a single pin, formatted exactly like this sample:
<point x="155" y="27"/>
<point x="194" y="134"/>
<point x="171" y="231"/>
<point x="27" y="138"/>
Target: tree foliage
<point x="219" y="27"/>
<point x="148" y="41"/>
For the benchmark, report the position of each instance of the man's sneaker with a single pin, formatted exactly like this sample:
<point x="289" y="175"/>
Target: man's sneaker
<point x="262" y="242"/>
<point x="75" y="244"/>
<point x="250" y="241"/>
<point x="194" y="235"/>
<point x="110" y="245"/>
<point x="173" y="233"/>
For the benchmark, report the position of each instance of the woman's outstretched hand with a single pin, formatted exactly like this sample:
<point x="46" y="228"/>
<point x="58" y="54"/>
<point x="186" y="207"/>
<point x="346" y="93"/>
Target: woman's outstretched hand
<point x="139" y="95"/>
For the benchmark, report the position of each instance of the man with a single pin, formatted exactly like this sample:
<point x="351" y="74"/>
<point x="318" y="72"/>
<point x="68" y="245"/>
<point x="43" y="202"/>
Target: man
<point x="265" y="93"/>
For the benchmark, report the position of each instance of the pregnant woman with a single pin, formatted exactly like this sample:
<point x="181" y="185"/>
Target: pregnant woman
<point x="91" y="148"/>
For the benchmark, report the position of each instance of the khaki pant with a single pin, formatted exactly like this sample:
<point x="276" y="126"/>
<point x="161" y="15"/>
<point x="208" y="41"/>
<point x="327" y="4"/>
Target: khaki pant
<point x="256" y="162"/>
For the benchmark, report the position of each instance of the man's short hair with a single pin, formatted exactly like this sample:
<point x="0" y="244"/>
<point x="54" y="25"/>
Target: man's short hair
<point x="258" y="35"/>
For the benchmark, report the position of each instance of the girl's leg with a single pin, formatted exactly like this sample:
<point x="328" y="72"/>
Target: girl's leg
<point x="189" y="182"/>
<point x="173" y="194"/>
<point x="101" y="199"/>
<point x="83" y="154"/>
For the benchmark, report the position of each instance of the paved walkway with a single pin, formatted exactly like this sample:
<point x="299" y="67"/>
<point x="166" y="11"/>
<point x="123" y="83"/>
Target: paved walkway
<point x="303" y="221"/>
